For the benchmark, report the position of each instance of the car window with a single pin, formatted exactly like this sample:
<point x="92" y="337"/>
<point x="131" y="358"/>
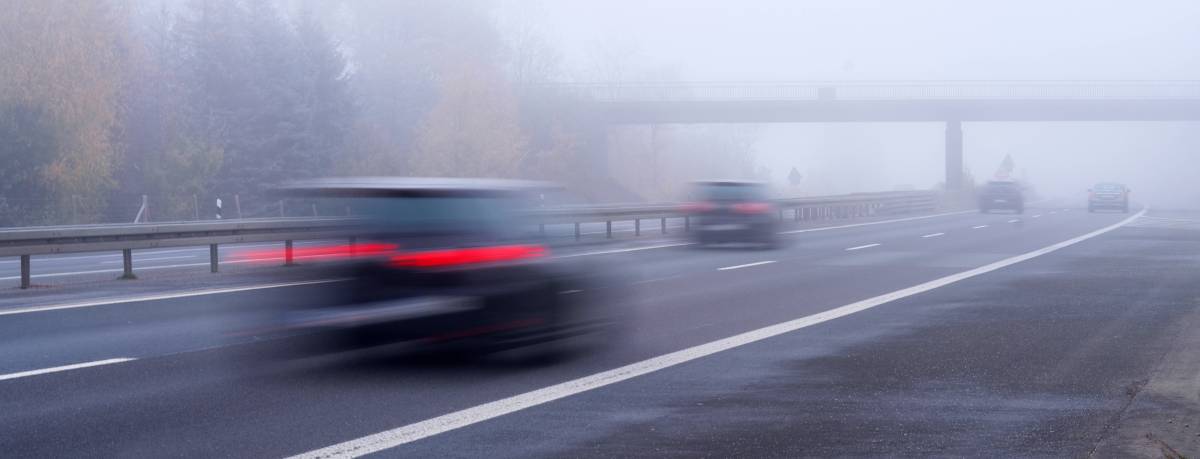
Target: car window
<point x="732" y="192"/>
<point x="441" y="214"/>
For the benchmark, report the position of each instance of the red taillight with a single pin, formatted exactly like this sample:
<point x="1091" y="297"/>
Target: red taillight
<point x="461" y="257"/>
<point x="697" y="207"/>
<point x="324" y="252"/>
<point x="752" y="208"/>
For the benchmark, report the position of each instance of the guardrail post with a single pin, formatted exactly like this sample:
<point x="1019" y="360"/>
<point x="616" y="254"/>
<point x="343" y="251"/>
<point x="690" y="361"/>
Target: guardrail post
<point x="608" y="229"/>
<point x="127" y="261"/>
<point x="664" y="225"/>
<point x="577" y="234"/>
<point x="212" y="257"/>
<point x="353" y="242"/>
<point x="780" y="214"/>
<point x="25" y="275"/>
<point x="287" y="253"/>
<point x="796" y="214"/>
<point x="687" y="223"/>
<point x="237" y="205"/>
<point x="637" y="227"/>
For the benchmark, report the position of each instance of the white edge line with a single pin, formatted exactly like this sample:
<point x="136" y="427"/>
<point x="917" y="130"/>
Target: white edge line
<point x="143" y="260"/>
<point x="747" y="265"/>
<point x="458" y="419"/>
<point x="860" y="247"/>
<point x="158" y="296"/>
<point x="825" y="228"/>
<point x="64" y="368"/>
<point x="634" y="249"/>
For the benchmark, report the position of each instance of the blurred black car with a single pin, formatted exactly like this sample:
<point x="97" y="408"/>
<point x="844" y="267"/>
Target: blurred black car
<point x="1108" y="196"/>
<point x="1001" y="195"/>
<point x="733" y="211"/>
<point x="455" y="263"/>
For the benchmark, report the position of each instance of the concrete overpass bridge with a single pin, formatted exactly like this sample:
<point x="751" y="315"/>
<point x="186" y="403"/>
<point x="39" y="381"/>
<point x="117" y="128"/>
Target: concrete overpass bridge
<point x="950" y="102"/>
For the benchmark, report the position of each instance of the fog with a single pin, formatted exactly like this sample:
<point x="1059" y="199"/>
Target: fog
<point x="190" y="101"/>
<point x="918" y="40"/>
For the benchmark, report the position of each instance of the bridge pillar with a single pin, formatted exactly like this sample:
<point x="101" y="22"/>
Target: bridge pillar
<point x="954" y="156"/>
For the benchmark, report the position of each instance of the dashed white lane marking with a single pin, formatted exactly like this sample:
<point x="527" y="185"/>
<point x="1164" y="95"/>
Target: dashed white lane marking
<point x="860" y="247"/>
<point x="458" y="419"/>
<point x="1037" y="216"/>
<point x="157" y="296"/>
<point x="824" y="228"/>
<point x="1052" y="212"/>
<point x="978" y="227"/>
<point x="64" y="368"/>
<point x="747" y="265"/>
<point x="933" y="235"/>
<point x="1015" y="220"/>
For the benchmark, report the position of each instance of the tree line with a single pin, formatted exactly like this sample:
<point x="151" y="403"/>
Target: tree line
<point x="185" y="101"/>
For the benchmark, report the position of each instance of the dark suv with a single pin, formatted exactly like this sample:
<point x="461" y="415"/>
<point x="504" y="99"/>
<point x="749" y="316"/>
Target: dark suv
<point x="1108" y="196"/>
<point x="452" y="262"/>
<point x="733" y="211"/>
<point x="1001" y="195"/>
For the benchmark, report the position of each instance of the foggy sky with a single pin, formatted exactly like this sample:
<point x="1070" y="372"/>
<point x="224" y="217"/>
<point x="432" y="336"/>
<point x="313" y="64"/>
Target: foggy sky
<point x="798" y="40"/>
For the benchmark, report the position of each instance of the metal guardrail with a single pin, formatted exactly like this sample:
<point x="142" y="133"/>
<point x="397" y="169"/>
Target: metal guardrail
<point x="25" y="242"/>
<point x="882" y="90"/>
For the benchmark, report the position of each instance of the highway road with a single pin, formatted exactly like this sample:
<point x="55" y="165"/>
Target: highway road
<point x="1053" y="333"/>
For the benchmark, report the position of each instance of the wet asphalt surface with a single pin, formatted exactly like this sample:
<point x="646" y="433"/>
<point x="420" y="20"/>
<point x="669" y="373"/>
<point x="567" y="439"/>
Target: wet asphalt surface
<point x="1036" y="359"/>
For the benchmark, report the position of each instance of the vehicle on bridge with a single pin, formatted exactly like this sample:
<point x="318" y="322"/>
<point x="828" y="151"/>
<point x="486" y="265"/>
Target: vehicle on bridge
<point x="1108" y="196"/>
<point x="733" y="211"/>
<point x="455" y="264"/>
<point x="1002" y="194"/>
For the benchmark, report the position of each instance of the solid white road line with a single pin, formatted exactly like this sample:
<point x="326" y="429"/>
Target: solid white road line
<point x="933" y="235"/>
<point x="634" y="249"/>
<point x="157" y="296"/>
<point x="458" y="419"/>
<point x="978" y="227"/>
<point x="64" y="368"/>
<point x="141" y="260"/>
<point x="747" y="265"/>
<point x="825" y="228"/>
<point x="1015" y="220"/>
<point x="860" y="247"/>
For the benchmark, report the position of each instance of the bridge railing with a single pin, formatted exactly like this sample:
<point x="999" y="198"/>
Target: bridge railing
<point x="25" y="242"/>
<point x="884" y="90"/>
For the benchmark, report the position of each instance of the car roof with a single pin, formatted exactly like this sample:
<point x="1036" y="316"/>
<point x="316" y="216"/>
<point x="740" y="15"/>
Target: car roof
<point x="413" y="187"/>
<point x="728" y="182"/>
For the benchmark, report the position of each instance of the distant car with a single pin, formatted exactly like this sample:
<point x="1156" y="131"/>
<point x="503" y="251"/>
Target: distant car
<point x="998" y="194"/>
<point x="1108" y="196"/>
<point x="733" y="212"/>
<point x="453" y="262"/>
